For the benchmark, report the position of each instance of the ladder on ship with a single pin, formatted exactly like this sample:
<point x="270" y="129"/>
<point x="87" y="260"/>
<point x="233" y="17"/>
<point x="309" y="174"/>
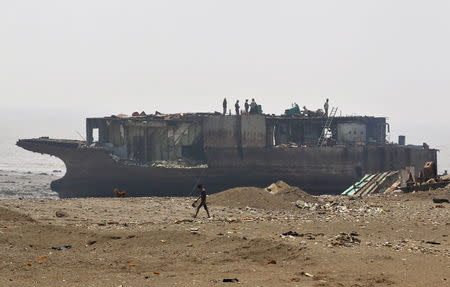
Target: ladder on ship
<point x="326" y="131"/>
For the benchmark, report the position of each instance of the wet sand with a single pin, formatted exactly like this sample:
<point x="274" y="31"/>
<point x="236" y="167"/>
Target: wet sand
<point x="383" y="240"/>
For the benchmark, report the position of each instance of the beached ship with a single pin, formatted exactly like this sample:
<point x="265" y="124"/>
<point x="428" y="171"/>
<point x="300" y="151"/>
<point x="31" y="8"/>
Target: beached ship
<point x="167" y="155"/>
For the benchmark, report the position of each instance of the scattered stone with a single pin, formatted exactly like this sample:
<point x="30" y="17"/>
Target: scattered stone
<point x="60" y="213"/>
<point x="113" y="237"/>
<point x="232" y="219"/>
<point x="271" y="261"/>
<point x="193" y="230"/>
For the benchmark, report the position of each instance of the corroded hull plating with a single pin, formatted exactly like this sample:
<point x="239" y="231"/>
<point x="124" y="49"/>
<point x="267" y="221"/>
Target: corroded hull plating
<point x="91" y="172"/>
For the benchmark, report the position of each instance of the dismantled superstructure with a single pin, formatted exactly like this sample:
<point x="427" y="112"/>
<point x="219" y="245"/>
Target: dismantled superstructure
<point x="189" y="137"/>
<point x="167" y="154"/>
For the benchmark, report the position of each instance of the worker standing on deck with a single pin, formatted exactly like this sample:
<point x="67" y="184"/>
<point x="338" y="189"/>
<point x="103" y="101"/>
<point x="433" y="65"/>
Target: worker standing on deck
<point x="224" y="106"/>
<point x="237" y="107"/>
<point x="305" y="111"/>
<point x="202" y="198"/>
<point x="325" y="108"/>
<point x="247" y="106"/>
<point x="253" y="107"/>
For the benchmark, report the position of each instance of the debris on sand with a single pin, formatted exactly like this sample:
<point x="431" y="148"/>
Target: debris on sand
<point x="193" y="230"/>
<point x="432" y="242"/>
<point x="60" y="213"/>
<point x="345" y="240"/>
<point x="291" y="233"/>
<point x="306" y="274"/>
<point x="61" y="247"/>
<point x="271" y="261"/>
<point x="441" y="200"/>
<point x="231" y="280"/>
<point x="308" y="235"/>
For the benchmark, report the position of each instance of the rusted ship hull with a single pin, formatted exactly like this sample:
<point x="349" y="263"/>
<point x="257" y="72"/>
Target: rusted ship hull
<point x="92" y="172"/>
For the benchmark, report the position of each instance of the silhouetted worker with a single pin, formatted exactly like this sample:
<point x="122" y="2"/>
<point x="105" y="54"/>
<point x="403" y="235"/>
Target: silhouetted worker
<point x="325" y="107"/>
<point x="253" y="107"/>
<point x="202" y="197"/>
<point x="246" y="106"/>
<point x="305" y="111"/>
<point x="224" y="106"/>
<point x="237" y="107"/>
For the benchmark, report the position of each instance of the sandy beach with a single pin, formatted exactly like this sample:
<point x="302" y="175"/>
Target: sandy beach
<point x="285" y="239"/>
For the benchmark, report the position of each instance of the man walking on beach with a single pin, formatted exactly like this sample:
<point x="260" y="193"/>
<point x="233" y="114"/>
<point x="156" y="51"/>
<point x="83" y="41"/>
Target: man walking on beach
<point x="202" y="196"/>
<point x="237" y="107"/>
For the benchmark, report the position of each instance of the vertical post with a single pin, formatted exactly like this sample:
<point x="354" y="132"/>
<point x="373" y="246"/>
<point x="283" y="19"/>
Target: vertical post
<point x="89" y="135"/>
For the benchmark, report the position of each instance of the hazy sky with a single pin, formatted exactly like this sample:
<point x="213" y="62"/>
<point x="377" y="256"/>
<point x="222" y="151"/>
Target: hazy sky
<point x="378" y="57"/>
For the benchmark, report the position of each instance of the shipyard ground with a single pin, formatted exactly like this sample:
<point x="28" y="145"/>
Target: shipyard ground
<point x="394" y="240"/>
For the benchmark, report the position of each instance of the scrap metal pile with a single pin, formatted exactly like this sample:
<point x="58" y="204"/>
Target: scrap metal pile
<point x="402" y="180"/>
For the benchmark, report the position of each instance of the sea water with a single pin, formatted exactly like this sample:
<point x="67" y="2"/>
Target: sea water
<point x="25" y="174"/>
<point x="17" y="159"/>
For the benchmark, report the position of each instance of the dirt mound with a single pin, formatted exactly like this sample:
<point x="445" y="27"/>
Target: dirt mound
<point x="277" y="196"/>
